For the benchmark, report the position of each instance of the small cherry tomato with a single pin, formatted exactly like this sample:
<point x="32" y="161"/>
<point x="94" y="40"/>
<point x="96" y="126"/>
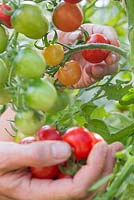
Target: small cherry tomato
<point x="96" y="55"/>
<point x="81" y="140"/>
<point x="4" y="17"/>
<point x="45" y="172"/>
<point x="48" y="133"/>
<point x="72" y="1"/>
<point x="3" y="39"/>
<point x="70" y="73"/>
<point x="5" y="96"/>
<point x="28" y="140"/>
<point x="3" y="73"/>
<point x="67" y="17"/>
<point x="53" y="54"/>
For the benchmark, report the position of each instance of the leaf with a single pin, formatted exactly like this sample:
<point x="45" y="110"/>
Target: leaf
<point x="100" y="127"/>
<point x="100" y="183"/>
<point x="99" y="113"/>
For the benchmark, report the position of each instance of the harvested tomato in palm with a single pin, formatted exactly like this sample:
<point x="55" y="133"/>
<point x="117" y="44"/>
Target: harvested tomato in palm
<point x="81" y="140"/>
<point x="96" y="55"/>
<point x="48" y="133"/>
<point x="53" y="54"/>
<point x="67" y="17"/>
<point x="70" y="73"/>
<point x="72" y="1"/>
<point x="4" y="17"/>
<point x="45" y="172"/>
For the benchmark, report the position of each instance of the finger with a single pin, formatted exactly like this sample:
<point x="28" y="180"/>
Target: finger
<point x="69" y="38"/>
<point x="14" y="156"/>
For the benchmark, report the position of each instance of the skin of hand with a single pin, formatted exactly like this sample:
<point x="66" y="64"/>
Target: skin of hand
<point x="16" y="182"/>
<point x="90" y="73"/>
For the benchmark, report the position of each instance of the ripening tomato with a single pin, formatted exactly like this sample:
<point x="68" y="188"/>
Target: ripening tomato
<point x="29" y="20"/>
<point x="5" y="96"/>
<point x="72" y="1"/>
<point x="48" y="133"/>
<point x="70" y="73"/>
<point x="3" y="39"/>
<point x="81" y="140"/>
<point x="40" y="94"/>
<point x="29" y="122"/>
<point x="3" y="72"/>
<point x="61" y="102"/>
<point x="53" y="54"/>
<point x="67" y="17"/>
<point x="45" y="172"/>
<point x="4" y="17"/>
<point x="28" y="140"/>
<point x="96" y="55"/>
<point x="29" y="64"/>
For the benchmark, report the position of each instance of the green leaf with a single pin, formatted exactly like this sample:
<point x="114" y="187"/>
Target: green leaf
<point x="99" y="113"/>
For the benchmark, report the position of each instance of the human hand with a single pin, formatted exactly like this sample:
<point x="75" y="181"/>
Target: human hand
<point x="93" y="72"/>
<point x="16" y="181"/>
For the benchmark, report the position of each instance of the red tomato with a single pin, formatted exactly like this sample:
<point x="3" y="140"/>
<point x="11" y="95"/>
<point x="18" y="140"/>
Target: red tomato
<point x="28" y="140"/>
<point x="96" y="55"/>
<point x="81" y="140"/>
<point x="67" y="17"/>
<point x="72" y="1"/>
<point x="62" y="175"/>
<point x="45" y="172"/>
<point x="48" y="133"/>
<point x="4" y="17"/>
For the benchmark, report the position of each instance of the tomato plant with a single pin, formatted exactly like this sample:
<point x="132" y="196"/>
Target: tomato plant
<point x="29" y="20"/>
<point x="81" y="140"/>
<point x="4" y="17"/>
<point x="28" y="122"/>
<point x="53" y="54"/>
<point x="40" y="95"/>
<point x="3" y="72"/>
<point x="48" y="133"/>
<point x="70" y="73"/>
<point x="70" y="21"/>
<point x="3" y="39"/>
<point x="29" y="64"/>
<point x="96" y="55"/>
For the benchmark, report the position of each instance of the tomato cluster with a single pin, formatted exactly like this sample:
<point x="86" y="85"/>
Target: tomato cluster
<point x="80" y="139"/>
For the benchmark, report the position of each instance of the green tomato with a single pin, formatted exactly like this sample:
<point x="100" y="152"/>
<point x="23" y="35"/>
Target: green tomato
<point x="40" y="95"/>
<point x="28" y="19"/>
<point x="5" y="96"/>
<point x="61" y="102"/>
<point x="29" y="122"/>
<point x="29" y="64"/>
<point x="3" y="39"/>
<point x="3" y="72"/>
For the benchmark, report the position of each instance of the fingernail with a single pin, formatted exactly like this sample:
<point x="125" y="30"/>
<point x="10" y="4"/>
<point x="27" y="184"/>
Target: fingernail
<point x="61" y="150"/>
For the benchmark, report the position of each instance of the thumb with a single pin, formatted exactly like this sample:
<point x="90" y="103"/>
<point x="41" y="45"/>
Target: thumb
<point x="46" y="153"/>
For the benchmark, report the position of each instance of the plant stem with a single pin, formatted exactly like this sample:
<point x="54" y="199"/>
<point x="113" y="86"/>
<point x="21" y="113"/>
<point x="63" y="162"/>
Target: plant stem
<point x="96" y="46"/>
<point x="130" y="13"/>
<point x="121" y="176"/>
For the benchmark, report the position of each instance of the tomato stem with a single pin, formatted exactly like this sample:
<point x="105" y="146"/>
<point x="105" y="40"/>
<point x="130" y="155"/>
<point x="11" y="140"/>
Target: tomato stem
<point x="96" y="46"/>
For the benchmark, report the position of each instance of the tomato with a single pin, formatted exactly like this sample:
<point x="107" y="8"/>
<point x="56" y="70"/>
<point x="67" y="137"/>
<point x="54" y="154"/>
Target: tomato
<point x="3" y="72"/>
<point x="29" y="64"/>
<point x="72" y="1"/>
<point x="63" y="175"/>
<point x="70" y="73"/>
<point x="3" y="39"/>
<point x="29" y="122"/>
<point x="61" y="102"/>
<point x="4" y="17"/>
<point x="45" y="172"/>
<point x="67" y="17"/>
<point x="81" y="140"/>
<point x="40" y="95"/>
<point x="98" y="138"/>
<point x="53" y="54"/>
<point x="5" y="96"/>
<point x="28" y="140"/>
<point x="96" y="55"/>
<point x="29" y="20"/>
<point x="48" y="133"/>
